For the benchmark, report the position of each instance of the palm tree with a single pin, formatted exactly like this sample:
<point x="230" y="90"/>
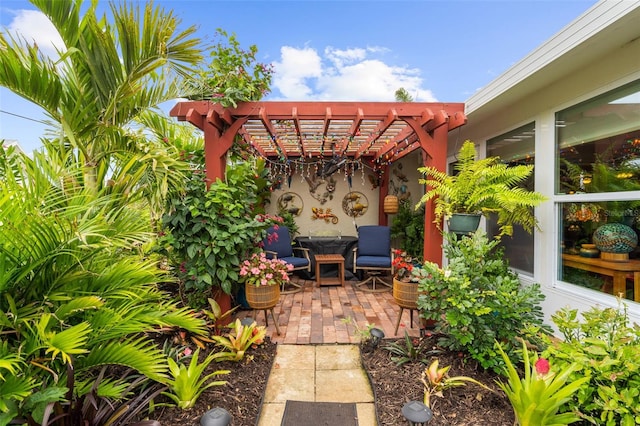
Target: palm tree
<point x="109" y="72"/>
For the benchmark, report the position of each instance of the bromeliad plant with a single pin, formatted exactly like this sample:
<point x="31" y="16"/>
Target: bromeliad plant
<point x="410" y="350"/>
<point x="437" y="380"/>
<point x="187" y="383"/>
<point x="239" y="340"/>
<point x="538" y="397"/>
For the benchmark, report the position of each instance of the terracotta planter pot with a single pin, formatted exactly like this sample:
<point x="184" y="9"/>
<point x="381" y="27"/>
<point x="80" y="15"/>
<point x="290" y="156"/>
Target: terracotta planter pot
<point x="262" y="297"/>
<point x="224" y="301"/>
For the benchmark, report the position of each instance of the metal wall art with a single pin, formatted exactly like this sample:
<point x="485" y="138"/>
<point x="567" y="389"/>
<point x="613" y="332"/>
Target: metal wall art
<point x="291" y="202"/>
<point x="355" y="204"/>
<point x="322" y="214"/>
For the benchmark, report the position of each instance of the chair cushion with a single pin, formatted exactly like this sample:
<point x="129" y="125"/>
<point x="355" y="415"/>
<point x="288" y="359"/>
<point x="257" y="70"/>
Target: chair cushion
<point x="374" y="241"/>
<point x="297" y="262"/>
<point x="281" y="244"/>
<point x="373" y="262"/>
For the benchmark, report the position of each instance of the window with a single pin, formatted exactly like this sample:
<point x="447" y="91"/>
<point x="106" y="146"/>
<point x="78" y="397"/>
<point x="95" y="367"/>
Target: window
<point x="598" y="152"/>
<point x="515" y="147"/>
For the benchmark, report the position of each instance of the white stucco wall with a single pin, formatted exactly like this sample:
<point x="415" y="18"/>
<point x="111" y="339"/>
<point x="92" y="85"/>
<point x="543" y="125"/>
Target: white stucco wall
<point x="406" y="166"/>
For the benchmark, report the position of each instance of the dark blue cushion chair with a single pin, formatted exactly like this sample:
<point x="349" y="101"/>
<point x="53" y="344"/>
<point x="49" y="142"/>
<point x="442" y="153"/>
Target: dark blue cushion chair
<point x="278" y="245"/>
<point x="374" y="256"/>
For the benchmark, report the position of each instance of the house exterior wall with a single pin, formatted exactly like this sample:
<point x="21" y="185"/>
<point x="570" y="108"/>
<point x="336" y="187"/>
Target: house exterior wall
<point x="600" y="73"/>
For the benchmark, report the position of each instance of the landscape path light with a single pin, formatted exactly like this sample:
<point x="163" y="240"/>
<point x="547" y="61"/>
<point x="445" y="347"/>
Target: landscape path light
<point x="417" y="413"/>
<point x="216" y="417"/>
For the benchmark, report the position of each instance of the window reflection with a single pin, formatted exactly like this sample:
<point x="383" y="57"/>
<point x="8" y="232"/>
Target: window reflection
<point x="515" y="147"/>
<point x="598" y="151"/>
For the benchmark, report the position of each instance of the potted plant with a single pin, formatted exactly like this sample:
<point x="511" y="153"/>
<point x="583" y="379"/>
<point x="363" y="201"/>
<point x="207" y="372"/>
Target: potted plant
<point x="482" y="187"/>
<point x="405" y="283"/>
<point x="262" y="279"/>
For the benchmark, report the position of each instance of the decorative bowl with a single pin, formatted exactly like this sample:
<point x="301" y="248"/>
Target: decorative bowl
<point x="615" y="238"/>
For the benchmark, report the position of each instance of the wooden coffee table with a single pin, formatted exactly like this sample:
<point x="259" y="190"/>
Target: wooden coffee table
<point x="329" y="259"/>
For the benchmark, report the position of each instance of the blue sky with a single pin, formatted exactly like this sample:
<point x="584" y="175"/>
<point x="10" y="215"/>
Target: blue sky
<point x="439" y="50"/>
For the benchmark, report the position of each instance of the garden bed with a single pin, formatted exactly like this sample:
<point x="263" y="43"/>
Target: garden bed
<point x="393" y="386"/>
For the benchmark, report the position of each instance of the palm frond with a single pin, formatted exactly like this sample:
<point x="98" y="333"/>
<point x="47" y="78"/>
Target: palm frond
<point x="140" y="354"/>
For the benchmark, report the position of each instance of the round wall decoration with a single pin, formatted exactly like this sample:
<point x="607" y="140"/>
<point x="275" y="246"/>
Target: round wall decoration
<point x="355" y="204"/>
<point x="291" y="202"/>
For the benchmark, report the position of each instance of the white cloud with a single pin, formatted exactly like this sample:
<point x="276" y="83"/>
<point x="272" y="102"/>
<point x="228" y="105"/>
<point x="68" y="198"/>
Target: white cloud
<point x="295" y="69"/>
<point x="35" y="27"/>
<point x="352" y="74"/>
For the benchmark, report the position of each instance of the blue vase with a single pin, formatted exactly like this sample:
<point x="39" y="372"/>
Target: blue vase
<point x="615" y="238"/>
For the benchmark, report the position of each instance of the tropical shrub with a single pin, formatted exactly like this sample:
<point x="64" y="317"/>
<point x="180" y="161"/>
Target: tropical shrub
<point x="78" y="291"/>
<point x="606" y="349"/>
<point x="407" y="227"/>
<point x="213" y="226"/>
<point x="477" y="299"/>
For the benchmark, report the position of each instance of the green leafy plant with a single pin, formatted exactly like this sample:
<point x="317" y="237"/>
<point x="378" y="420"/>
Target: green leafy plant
<point x="477" y="299"/>
<point x="363" y="333"/>
<point x="605" y="347"/>
<point x="233" y="75"/>
<point x="482" y="186"/>
<point x="239" y="340"/>
<point x="410" y="350"/>
<point x="188" y="383"/>
<point x="538" y="397"/>
<point x="408" y="228"/>
<point x="208" y="232"/>
<point x="437" y="380"/>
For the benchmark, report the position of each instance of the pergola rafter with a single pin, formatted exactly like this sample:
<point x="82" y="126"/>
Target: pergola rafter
<point x="376" y="133"/>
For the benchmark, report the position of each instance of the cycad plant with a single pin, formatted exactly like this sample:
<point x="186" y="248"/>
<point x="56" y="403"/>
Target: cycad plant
<point x="482" y="186"/>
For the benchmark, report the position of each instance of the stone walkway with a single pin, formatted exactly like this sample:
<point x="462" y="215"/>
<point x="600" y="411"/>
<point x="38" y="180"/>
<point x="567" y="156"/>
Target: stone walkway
<point x="318" y="358"/>
<point x="323" y="373"/>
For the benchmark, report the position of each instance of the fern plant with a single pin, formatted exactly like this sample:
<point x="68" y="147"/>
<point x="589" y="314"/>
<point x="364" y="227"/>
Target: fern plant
<point x="482" y="186"/>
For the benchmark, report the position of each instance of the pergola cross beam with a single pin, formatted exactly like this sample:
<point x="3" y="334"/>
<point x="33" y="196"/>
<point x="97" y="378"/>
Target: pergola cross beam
<point x="375" y="133"/>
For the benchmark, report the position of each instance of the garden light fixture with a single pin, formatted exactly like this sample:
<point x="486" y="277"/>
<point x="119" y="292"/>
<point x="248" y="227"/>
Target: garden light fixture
<point x="216" y="417"/>
<point x="376" y="336"/>
<point x="417" y="413"/>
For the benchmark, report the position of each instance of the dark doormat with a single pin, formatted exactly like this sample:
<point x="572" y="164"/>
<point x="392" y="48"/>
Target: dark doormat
<point x="305" y="413"/>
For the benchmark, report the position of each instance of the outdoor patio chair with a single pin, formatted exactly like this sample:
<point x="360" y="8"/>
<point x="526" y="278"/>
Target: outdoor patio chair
<point x="278" y="245"/>
<point x="374" y="256"/>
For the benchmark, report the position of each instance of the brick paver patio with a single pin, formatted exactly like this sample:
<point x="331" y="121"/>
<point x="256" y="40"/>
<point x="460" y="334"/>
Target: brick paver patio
<point x="317" y="315"/>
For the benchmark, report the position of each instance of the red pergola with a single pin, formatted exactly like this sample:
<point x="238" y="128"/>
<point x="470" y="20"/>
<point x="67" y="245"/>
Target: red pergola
<point x="374" y="133"/>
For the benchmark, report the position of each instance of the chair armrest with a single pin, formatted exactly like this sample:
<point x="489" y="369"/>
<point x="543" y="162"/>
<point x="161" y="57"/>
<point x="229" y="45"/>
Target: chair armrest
<point x="305" y="252"/>
<point x="271" y="253"/>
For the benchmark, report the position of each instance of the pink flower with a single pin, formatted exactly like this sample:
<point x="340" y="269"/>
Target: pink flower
<point x="542" y="366"/>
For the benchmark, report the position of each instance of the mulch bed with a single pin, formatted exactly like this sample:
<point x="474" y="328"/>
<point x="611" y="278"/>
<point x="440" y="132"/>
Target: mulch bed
<point x="468" y="405"/>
